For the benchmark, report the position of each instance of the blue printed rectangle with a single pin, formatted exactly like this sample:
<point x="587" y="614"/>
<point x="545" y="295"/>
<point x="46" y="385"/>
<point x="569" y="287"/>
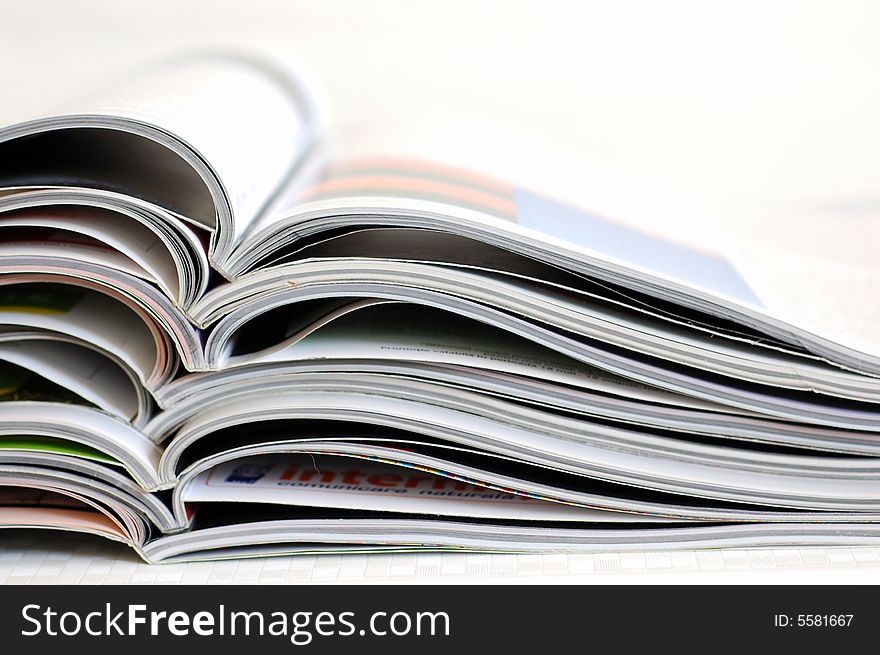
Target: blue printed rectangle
<point x="632" y="246"/>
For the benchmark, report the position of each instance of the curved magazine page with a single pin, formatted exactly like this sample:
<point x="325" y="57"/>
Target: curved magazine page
<point x="41" y="426"/>
<point x="52" y="226"/>
<point x="376" y="329"/>
<point x="127" y="510"/>
<point x="88" y="315"/>
<point x="713" y="353"/>
<point x="28" y="445"/>
<point x="75" y="463"/>
<point x="125" y="300"/>
<point x="82" y="368"/>
<point x="332" y="482"/>
<point x="442" y="468"/>
<point x="598" y="451"/>
<point x="599" y="395"/>
<point x="210" y="137"/>
<point x="32" y="508"/>
<point x="796" y="405"/>
<point x="81" y="375"/>
<point x="329" y="535"/>
<point x="433" y="248"/>
<point x="64" y="507"/>
<point x="407" y="194"/>
<point x="120" y="222"/>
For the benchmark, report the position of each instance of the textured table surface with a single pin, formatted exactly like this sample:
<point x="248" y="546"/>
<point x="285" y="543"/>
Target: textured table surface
<point x="29" y="558"/>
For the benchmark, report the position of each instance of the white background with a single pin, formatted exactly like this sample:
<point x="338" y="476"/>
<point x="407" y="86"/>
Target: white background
<point x="680" y="115"/>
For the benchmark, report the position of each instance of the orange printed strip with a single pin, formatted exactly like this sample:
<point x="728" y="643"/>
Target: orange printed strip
<point x="413" y="188"/>
<point x="424" y="169"/>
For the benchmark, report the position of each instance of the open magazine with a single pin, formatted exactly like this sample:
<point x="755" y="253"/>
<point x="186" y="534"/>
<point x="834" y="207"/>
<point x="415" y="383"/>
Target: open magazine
<point x="221" y="337"/>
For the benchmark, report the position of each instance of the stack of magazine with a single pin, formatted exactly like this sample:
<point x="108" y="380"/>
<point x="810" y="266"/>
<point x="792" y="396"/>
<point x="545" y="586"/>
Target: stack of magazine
<point x="220" y="338"/>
